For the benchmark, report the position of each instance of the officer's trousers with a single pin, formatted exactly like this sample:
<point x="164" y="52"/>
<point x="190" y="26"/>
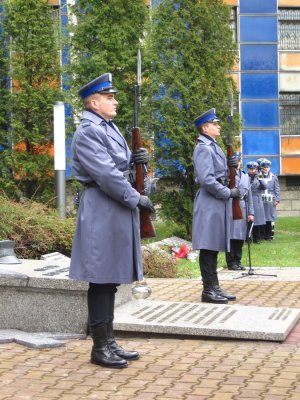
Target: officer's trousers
<point x="236" y="251"/>
<point x="269" y="230"/>
<point x="258" y="233"/>
<point x="208" y="260"/>
<point x="101" y="303"/>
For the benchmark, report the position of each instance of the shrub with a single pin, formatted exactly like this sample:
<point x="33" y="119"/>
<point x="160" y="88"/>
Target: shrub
<point x="35" y="228"/>
<point x="158" y="264"/>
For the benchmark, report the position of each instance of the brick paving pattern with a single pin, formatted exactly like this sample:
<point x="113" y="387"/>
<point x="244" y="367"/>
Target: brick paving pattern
<point x="170" y="367"/>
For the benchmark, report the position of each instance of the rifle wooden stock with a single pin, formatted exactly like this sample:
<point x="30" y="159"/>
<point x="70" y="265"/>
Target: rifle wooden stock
<point x="146" y="226"/>
<point x="236" y="207"/>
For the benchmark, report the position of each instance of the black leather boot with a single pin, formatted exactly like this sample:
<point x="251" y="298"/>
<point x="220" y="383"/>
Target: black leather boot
<point x="209" y="294"/>
<point x="118" y="350"/>
<point x="221" y="292"/>
<point x="101" y="352"/>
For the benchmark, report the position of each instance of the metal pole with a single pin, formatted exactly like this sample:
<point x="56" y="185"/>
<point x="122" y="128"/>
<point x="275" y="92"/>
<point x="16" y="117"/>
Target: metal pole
<point x="60" y="157"/>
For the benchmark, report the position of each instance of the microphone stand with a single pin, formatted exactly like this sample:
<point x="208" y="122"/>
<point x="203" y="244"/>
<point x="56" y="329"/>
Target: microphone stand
<point x="250" y="224"/>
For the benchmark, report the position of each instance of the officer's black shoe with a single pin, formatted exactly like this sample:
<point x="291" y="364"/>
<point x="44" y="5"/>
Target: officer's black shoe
<point x="209" y="295"/>
<point x="221" y="292"/>
<point x="118" y="350"/>
<point x="241" y="267"/>
<point x="233" y="267"/>
<point x="101" y="353"/>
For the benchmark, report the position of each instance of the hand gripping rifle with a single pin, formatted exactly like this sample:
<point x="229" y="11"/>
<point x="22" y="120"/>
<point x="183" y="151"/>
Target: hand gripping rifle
<point x="236" y="208"/>
<point x="146" y="227"/>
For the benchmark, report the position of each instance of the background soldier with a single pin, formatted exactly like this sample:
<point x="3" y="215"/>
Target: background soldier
<point x="212" y="208"/>
<point x="239" y="226"/>
<point x="258" y="185"/>
<point x="259" y="160"/>
<point x="271" y="198"/>
<point x="106" y="247"/>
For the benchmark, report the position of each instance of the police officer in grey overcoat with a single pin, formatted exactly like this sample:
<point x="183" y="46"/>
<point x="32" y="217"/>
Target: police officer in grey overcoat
<point x="258" y="186"/>
<point x="239" y="227"/>
<point x="271" y="198"/>
<point x="212" y="205"/>
<point x="106" y="248"/>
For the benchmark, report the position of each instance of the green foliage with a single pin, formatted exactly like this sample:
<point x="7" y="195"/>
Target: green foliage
<point x="106" y="38"/>
<point x="179" y="198"/>
<point x="4" y="92"/>
<point x="31" y="55"/>
<point x="190" y="52"/>
<point x="158" y="264"/>
<point x="284" y="251"/>
<point x="36" y="229"/>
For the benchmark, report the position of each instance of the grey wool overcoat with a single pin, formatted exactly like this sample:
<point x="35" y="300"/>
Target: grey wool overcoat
<point x="273" y="188"/>
<point x="239" y="226"/>
<point x="106" y="245"/>
<point x="258" y="186"/>
<point x="212" y="207"/>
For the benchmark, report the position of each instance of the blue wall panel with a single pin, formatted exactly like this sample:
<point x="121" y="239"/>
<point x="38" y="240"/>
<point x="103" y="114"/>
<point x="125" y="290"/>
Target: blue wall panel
<point x="258" y="6"/>
<point x="260" y="114"/>
<point x="260" y="142"/>
<point x="258" y="29"/>
<point x="259" y="86"/>
<point x="259" y="81"/>
<point x="259" y="57"/>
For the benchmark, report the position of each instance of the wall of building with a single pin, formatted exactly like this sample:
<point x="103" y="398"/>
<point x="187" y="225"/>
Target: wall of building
<point x="290" y="200"/>
<point x="264" y="72"/>
<point x="267" y="77"/>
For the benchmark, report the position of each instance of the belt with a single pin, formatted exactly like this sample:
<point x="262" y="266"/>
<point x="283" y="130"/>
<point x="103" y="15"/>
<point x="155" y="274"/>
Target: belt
<point x="127" y="175"/>
<point x="224" y="180"/>
<point x="90" y="184"/>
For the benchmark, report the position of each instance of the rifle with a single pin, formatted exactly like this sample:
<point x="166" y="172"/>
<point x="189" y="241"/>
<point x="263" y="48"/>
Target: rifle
<point x="146" y="227"/>
<point x="236" y="207"/>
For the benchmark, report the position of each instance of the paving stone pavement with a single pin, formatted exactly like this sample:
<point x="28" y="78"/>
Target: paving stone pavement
<point x="169" y="367"/>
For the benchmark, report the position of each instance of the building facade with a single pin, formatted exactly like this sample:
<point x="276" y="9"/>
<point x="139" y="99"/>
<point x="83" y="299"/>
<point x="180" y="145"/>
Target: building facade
<point x="267" y="77"/>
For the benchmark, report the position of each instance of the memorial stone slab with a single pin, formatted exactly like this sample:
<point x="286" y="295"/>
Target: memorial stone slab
<point x="227" y="321"/>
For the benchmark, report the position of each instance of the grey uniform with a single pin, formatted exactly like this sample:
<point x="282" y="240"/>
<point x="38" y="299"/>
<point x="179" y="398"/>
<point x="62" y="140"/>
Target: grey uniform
<point x="106" y="245"/>
<point x="273" y="188"/>
<point x="258" y="186"/>
<point x="212" y="208"/>
<point x="239" y="226"/>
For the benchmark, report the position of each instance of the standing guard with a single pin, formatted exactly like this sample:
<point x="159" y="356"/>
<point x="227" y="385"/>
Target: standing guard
<point x="271" y="197"/>
<point x="239" y="226"/>
<point x="106" y="248"/>
<point x="258" y="186"/>
<point x="212" y="206"/>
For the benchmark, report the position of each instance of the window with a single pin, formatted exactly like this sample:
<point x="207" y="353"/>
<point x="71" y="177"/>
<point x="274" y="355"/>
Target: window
<point x="289" y="106"/>
<point x="292" y="181"/>
<point x="289" y="28"/>
<point x="233" y="24"/>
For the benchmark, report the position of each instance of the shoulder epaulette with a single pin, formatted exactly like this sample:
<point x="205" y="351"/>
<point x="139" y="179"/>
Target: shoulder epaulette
<point x="85" y="123"/>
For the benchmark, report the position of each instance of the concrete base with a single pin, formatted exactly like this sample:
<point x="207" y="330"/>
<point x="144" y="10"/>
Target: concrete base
<point x="40" y="340"/>
<point x="38" y="296"/>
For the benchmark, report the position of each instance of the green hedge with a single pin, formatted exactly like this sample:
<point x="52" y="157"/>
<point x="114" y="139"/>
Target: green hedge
<point x="35" y="228"/>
